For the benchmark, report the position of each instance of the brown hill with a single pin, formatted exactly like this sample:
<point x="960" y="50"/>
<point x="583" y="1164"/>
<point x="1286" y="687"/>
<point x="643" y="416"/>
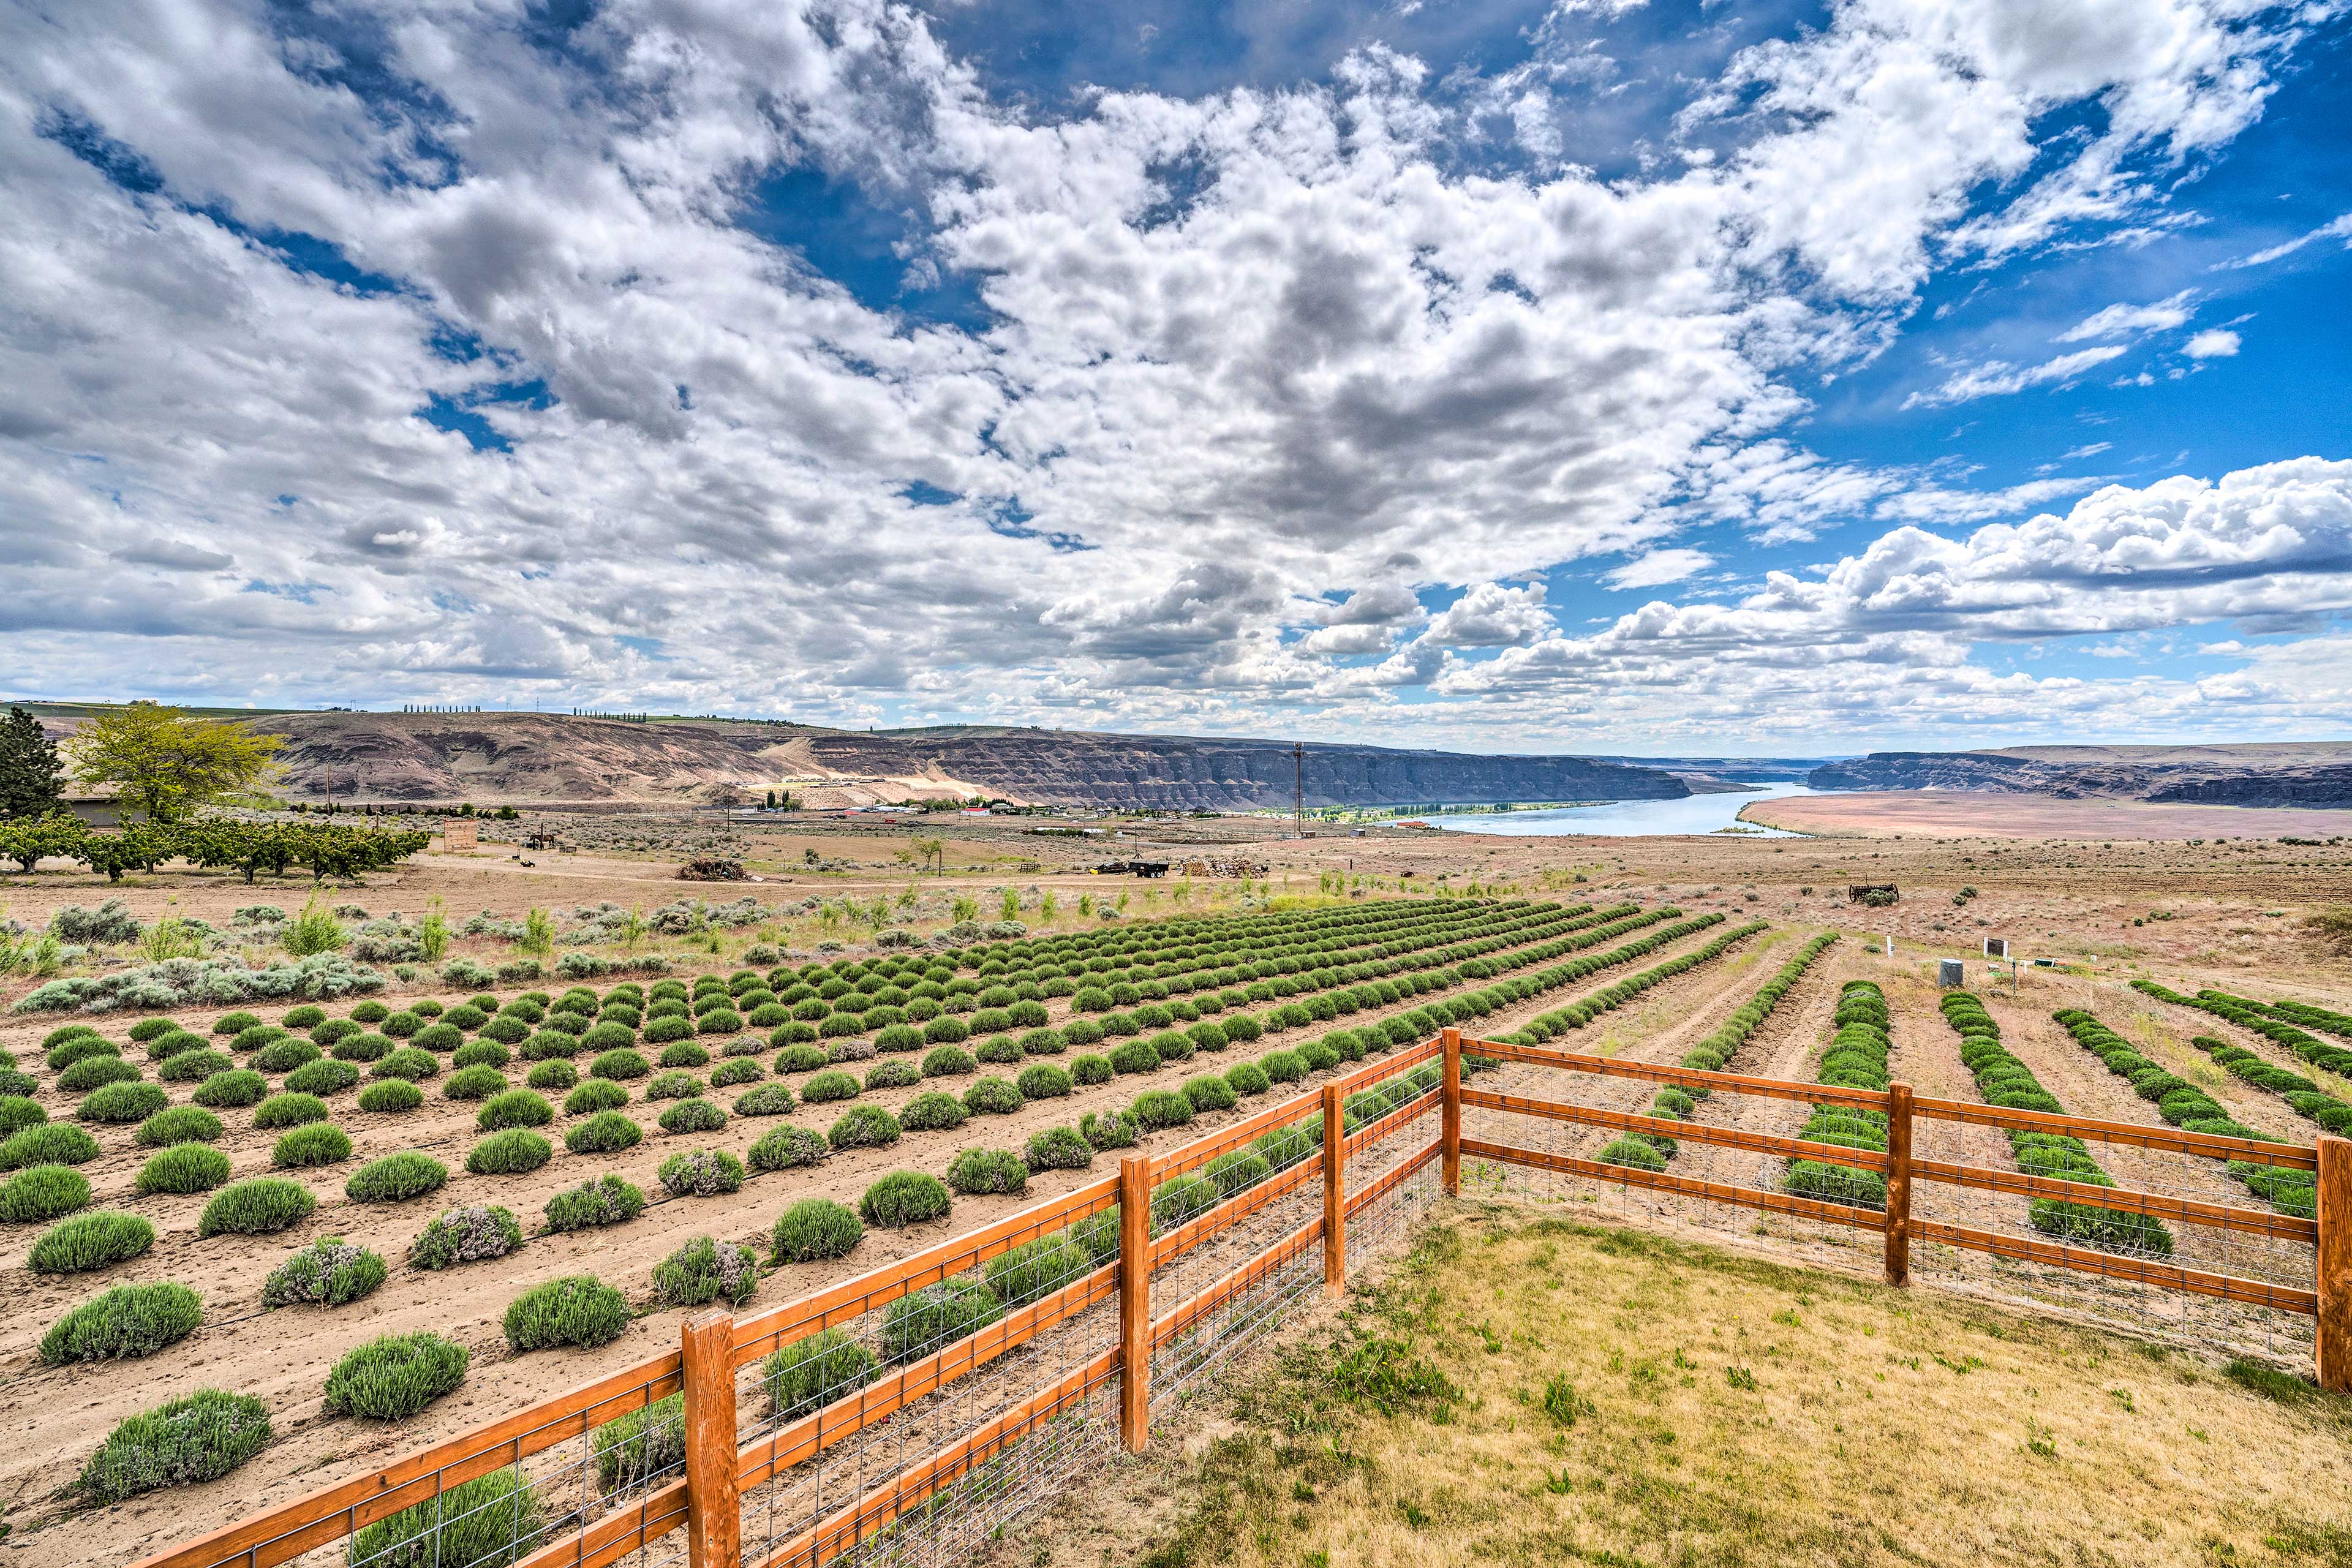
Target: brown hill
<point x="490" y="758"/>
<point x="2313" y="773"/>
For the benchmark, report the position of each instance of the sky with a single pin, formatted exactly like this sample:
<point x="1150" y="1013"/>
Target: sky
<point x="1598" y="376"/>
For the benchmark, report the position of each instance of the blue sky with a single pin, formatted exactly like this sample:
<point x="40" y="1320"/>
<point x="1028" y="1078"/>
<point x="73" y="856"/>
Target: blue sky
<point x="1592" y="375"/>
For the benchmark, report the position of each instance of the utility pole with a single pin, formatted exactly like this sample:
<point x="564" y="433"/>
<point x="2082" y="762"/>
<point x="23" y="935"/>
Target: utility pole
<point x="1299" y="787"/>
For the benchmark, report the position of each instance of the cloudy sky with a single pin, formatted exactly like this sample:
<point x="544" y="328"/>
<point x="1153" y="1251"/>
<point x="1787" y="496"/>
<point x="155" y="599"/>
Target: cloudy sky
<point x="1602" y="376"/>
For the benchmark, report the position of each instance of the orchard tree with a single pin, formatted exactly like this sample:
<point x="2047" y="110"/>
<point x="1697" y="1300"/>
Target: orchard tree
<point x="32" y="781"/>
<point x="166" y="764"/>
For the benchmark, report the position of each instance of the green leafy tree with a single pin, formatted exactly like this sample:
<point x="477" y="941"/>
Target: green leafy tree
<point x="32" y="780"/>
<point x="164" y="762"/>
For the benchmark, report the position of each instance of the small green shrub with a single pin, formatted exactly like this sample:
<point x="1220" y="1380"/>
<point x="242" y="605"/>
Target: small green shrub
<point x="977" y="1172"/>
<point x="511" y="1153"/>
<point x="183" y="1169"/>
<point x="179" y="1442"/>
<point x="674" y="1086"/>
<point x="43" y="1193"/>
<point x="125" y="1323"/>
<point x="262" y="1205"/>
<point x="1042" y="1080"/>
<point x="903" y="1198"/>
<point x="96" y="1072"/>
<point x="684" y="1053"/>
<point x="597" y="1094"/>
<point x="1035" y="1269"/>
<point x="1058" y="1148"/>
<point x="195" y="1067"/>
<point x="702" y="1174"/>
<point x="554" y="1075"/>
<point x="894" y="1073"/>
<point x="1112" y="1130"/>
<point x="932" y="1111"/>
<point x="619" y="1065"/>
<point x="992" y="1096"/>
<point x="765" y="1100"/>
<point x="395" y="1377"/>
<point x="485" y="1522"/>
<point x="800" y="1058"/>
<point x="47" y="1143"/>
<point x="320" y="1144"/>
<point x="465" y="1235"/>
<point x="397" y="1178"/>
<point x="575" y="1309"/>
<point x="1247" y="1077"/>
<point x="815" y="1228"/>
<point x="920" y="1322"/>
<point x="392" y="1095"/>
<point x="322" y="1077"/>
<point x="72" y="1048"/>
<point x="474" y="1083"/>
<point x="232" y="1090"/>
<point x="91" y="1241"/>
<point x="735" y="1072"/>
<point x="282" y="1110"/>
<point x="308" y="1016"/>
<point x="692" y="1116"/>
<point x="18" y="1112"/>
<point x="178" y="1124"/>
<point x="787" y="1147"/>
<point x="515" y="1108"/>
<point x="810" y="1373"/>
<point x="864" y="1127"/>
<point x="1089" y="1070"/>
<point x="329" y="1272"/>
<point x="947" y="1061"/>
<point x="704" y="1270"/>
<point x="408" y="1063"/>
<point x="833" y="1084"/>
<point x="479" y="1054"/>
<point x="608" y="1200"/>
<point x="121" y="1102"/>
<point x="606" y="1132"/>
<point x="285" y="1056"/>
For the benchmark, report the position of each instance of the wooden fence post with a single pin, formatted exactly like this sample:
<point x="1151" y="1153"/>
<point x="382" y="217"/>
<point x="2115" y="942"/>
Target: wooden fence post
<point x="1899" y="1184"/>
<point x="1334" y="1192"/>
<point x="2334" y="1272"/>
<point x="1450" y="1113"/>
<point x="714" y="1525"/>
<point x="1134" y="1302"/>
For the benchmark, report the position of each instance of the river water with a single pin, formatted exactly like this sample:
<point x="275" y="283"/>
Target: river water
<point x="1631" y="818"/>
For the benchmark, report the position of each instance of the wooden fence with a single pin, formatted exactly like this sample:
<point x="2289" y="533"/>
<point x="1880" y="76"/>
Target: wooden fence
<point x="706" y="1492"/>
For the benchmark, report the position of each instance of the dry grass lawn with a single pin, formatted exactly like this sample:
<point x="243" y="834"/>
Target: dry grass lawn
<point x="1528" y="1391"/>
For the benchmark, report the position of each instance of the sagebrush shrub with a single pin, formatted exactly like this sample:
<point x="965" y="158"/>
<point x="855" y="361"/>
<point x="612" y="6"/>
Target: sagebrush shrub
<point x="896" y="1073"/>
<point x="465" y="1235"/>
<point x="642" y="1446"/>
<point x="179" y="1442"/>
<point x="674" y="1086"/>
<point x="126" y="1322"/>
<point x="1035" y="1269"/>
<point x="812" y="1372"/>
<point x="329" y="1272"/>
<point x="392" y="1378"/>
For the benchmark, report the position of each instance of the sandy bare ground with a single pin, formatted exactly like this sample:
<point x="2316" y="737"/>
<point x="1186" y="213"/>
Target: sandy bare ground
<point x="1990" y="813"/>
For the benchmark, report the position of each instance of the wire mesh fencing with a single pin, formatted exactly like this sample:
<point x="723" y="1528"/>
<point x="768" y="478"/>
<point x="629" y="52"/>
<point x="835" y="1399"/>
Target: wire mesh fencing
<point x="2153" y="1230"/>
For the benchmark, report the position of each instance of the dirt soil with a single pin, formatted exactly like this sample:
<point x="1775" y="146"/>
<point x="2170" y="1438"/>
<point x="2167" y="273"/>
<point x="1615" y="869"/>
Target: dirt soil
<point x="1988" y="813"/>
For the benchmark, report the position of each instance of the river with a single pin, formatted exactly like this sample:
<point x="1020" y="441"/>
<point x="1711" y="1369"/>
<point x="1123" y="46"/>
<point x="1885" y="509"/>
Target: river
<point x="1693" y="814"/>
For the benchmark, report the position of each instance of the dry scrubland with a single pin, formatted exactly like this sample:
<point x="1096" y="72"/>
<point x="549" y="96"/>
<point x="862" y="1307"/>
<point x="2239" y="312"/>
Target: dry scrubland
<point x="2227" y="914"/>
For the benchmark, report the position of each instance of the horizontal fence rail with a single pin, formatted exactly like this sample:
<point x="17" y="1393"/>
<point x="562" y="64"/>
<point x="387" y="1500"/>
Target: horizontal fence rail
<point x="743" y="1448"/>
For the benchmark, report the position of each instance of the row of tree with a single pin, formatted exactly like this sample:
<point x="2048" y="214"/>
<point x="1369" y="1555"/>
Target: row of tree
<point x="324" y="848"/>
